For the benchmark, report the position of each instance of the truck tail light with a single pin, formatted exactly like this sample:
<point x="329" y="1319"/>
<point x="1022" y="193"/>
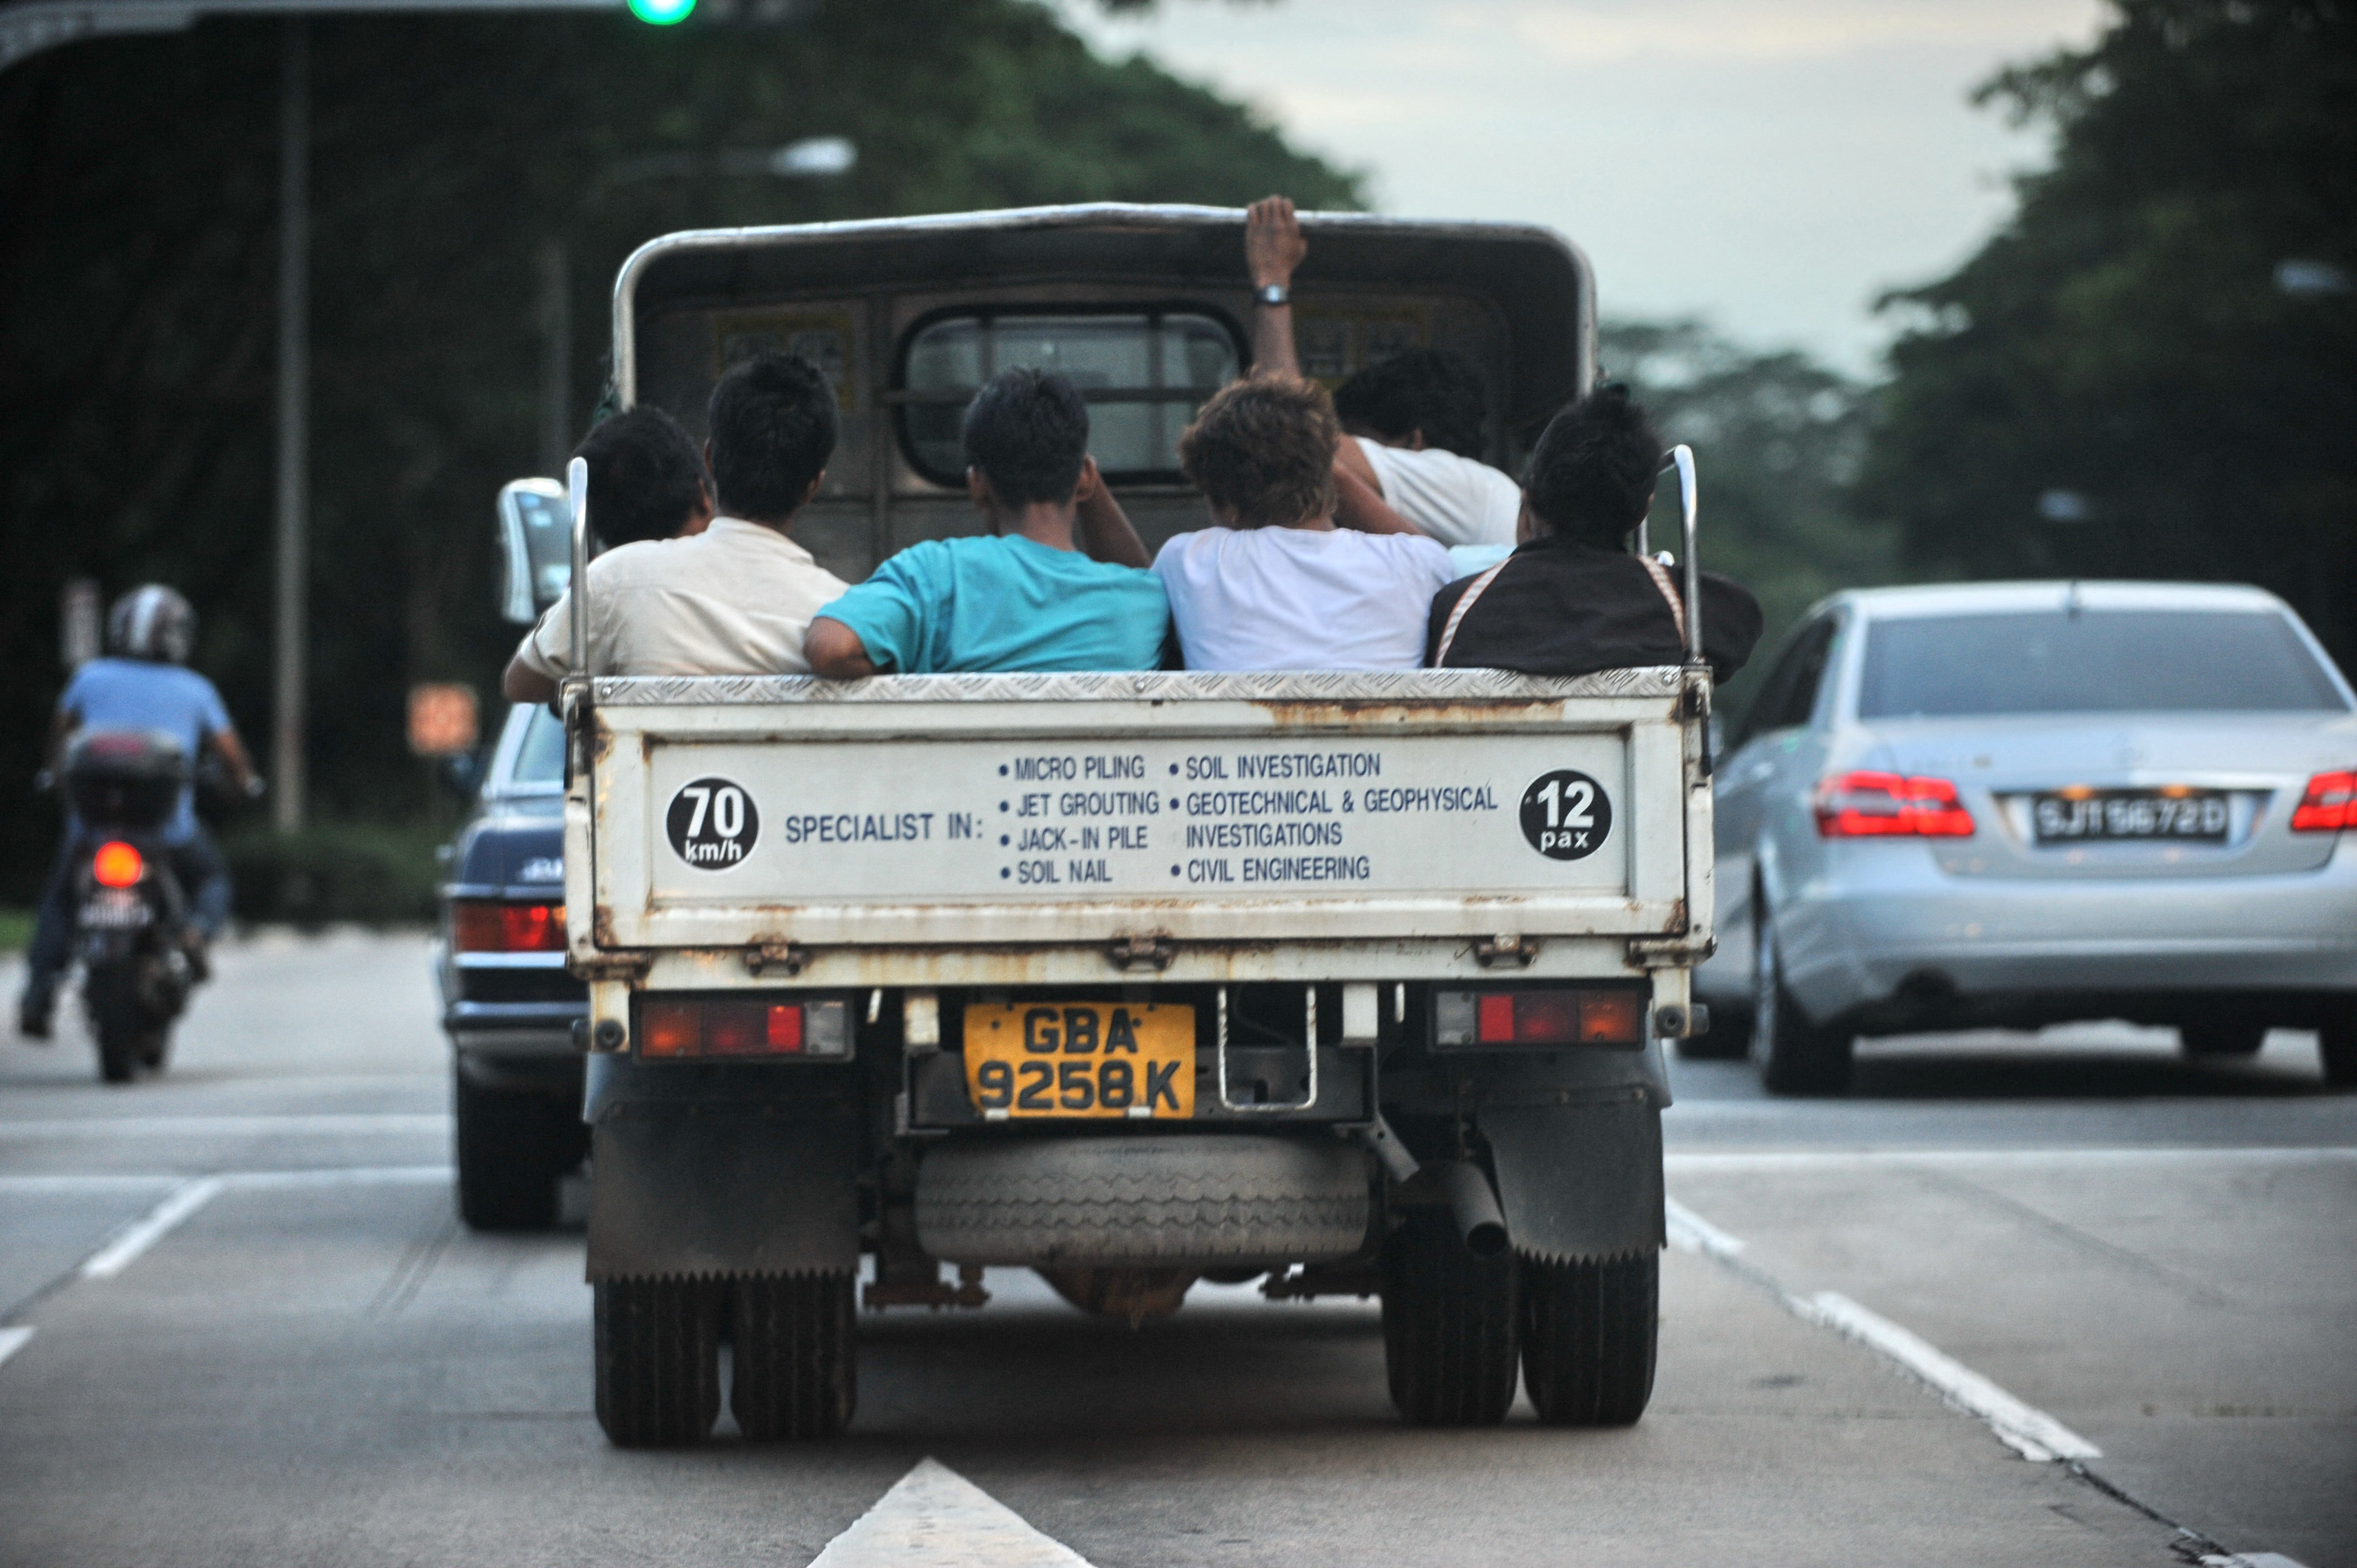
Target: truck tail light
<point x="1554" y="1016"/>
<point x="676" y="1028"/>
<point x="117" y="864"/>
<point x="1890" y="805"/>
<point x="482" y="925"/>
<point x="2328" y="806"/>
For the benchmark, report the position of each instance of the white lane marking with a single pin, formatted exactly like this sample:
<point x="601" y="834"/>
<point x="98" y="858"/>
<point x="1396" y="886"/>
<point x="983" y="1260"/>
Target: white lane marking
<point x="2024" y="1428"/>
<point x="11" y="1341"/>
<point x="150" y="1228"/>
<point x="324" y="1176"/>
<point x="1700" y="1162"/>
<point x="222" y="1126"/>
<point x="2249" y="1559"/>
<point x="935" y="1517"/>
<point x="1690" y="1233"/>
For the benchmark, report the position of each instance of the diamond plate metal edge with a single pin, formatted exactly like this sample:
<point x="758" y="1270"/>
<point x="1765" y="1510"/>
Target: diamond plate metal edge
<point x="1404" y="686"/>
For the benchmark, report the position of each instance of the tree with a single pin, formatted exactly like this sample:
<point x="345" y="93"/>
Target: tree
<point x="2148" y="373"/>
<point x="1777" y="440"/>
<point x="138" y="230"/>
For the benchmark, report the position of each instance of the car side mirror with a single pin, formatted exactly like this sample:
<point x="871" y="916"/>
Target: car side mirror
<point x="535" y="547"/>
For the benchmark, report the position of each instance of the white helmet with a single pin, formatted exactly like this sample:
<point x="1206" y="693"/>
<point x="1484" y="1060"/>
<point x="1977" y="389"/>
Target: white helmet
<point x="152" y="621"/>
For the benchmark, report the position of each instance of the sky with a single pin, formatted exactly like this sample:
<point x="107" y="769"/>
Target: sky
<point x="1771" y="166"/>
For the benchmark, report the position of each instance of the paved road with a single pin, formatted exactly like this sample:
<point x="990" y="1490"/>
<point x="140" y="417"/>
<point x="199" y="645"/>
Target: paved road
<point x="315" y="1365"/>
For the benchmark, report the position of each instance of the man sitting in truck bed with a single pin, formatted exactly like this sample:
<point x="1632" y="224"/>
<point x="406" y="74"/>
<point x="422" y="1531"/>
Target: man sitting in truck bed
<point x="736" y="598"/>
<point x="1412" y="423"/>
<point x="1058" y="584"/>
<point x="1572" y="599"/>
<point x="646" y="479"/>
<point x="1277" y="585"/>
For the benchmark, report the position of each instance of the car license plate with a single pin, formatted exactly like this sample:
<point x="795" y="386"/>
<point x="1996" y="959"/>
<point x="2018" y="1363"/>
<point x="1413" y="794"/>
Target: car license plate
<point x="2198" y="815"/>
<point x="1080" y="1058"/>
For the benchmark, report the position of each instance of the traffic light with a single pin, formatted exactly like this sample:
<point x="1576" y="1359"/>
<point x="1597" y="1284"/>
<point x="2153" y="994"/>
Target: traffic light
<point x="662" y="13"/>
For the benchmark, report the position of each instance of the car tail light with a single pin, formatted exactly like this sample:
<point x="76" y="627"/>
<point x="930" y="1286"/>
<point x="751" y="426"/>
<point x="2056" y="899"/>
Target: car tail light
<point x="764" y="1026"/>
<point x="1554" y="1016"/>
<point x="2328" y="806"/>
<point x="481" y="925"/>
<point x="1890" y="805"/>
<point x="117" y="864"/>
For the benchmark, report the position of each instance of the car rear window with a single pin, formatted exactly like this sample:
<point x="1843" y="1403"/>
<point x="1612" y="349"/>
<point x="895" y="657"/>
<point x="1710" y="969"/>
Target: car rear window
<point x="541" y="758"/>
<point x="2054" y="661"/>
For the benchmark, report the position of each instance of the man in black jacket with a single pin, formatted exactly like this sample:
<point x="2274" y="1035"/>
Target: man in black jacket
<point x="1571" y="598"/>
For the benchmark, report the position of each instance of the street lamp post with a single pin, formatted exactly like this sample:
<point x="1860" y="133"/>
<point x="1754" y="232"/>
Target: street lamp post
<point x="288" y="752"/>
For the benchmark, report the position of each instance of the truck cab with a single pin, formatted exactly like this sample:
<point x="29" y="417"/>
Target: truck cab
<point x="1354" y="984"/>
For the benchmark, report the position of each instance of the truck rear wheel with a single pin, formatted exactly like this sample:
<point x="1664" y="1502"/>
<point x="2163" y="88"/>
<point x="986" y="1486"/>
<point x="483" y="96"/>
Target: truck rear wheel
<point x="796" y="1366"/>
<point x="658" y="1355"/>
<point x="1588" y="1337"/>
<point x="1448" y="1325"/>
<point x="514" y="1148"/>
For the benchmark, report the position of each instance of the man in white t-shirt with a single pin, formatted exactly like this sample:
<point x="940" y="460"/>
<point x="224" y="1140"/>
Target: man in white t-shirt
<point x="1277" y="585"/>
<point x="1413" y="421"/>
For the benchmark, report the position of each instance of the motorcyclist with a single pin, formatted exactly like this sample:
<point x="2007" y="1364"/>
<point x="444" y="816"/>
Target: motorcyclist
<point x="150" y="632"/>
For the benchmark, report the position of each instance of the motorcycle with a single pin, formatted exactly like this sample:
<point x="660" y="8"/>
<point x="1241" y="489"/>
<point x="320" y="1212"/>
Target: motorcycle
<point x="133" y="934"/>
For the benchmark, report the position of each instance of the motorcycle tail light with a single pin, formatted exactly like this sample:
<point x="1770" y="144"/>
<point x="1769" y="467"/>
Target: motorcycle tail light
<point x="1539" y="1016"/>
<point x="1889" y="805"/>
<point x="676" y="1028"/>
<point x="117" y="864"/>
<point x="483" y="924"/>
<point x="2328" y="805"/>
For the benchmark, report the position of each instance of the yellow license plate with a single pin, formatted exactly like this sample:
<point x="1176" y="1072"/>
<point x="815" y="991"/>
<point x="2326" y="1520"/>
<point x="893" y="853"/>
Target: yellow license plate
<point x="1080" y="1058"/>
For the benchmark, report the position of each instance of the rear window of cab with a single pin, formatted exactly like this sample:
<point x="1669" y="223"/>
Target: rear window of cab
<point x="1143" y="372"/>
<point x="2091" y="661"/>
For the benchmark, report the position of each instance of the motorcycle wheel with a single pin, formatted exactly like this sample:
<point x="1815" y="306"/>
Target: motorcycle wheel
<point x="110" y="992"/>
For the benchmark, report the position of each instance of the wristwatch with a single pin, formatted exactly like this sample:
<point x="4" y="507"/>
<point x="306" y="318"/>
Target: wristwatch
<point x="1272" y="294"/>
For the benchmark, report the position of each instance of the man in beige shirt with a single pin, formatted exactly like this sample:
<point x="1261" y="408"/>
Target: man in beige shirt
<point x="735" y="599"/>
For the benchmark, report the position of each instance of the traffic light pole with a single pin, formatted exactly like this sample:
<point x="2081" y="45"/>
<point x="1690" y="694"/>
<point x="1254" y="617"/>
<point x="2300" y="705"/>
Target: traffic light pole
<point x="290" y="694"/>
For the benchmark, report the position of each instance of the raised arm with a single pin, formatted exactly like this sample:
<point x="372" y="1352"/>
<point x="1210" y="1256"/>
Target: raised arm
<point x="1272" y="249"/>
<point x="1101" y="528"/>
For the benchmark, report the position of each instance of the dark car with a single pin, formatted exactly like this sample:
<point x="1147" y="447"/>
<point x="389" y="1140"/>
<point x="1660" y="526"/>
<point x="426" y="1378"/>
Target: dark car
<point x="508" y="1005"/>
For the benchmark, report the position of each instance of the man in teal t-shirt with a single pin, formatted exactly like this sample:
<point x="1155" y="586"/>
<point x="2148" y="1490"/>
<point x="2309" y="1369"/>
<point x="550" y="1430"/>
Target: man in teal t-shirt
<point x="1059" y="583"/>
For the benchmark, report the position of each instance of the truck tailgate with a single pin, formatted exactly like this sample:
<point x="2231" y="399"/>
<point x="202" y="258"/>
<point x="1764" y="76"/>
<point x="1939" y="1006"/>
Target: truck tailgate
<point x="1031" y="812"/>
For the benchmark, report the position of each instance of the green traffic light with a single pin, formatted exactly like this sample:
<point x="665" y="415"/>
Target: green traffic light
<point x="662" y="13"/>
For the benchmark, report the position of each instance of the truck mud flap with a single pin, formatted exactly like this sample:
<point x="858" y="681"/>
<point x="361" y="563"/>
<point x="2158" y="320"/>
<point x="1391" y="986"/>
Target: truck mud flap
<point x="689" y="1196"/>
<point x="1579" y="1183"/>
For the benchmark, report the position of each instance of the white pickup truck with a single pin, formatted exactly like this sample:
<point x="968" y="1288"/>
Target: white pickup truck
<point x="1355" y="981"/>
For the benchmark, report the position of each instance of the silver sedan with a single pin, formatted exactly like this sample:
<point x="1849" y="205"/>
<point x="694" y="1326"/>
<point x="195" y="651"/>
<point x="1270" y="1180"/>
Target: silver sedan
<point x="2014" y="804"/>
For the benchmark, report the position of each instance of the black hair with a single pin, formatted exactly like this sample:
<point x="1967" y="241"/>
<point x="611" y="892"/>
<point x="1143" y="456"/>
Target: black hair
<point x="645" y="475"/>
<point x="1431" y="390"/>
<point x="773" y="425"/>
<point x="1027" y="431"/>
<point x="1591" y="475"/>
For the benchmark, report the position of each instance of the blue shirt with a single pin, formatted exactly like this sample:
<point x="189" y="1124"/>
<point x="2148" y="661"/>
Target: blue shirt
<point x="1005" y="602"/>
<point x="138" y="694"/>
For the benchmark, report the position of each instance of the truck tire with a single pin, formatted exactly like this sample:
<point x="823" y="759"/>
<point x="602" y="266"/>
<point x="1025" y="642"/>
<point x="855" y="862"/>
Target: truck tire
<point x="796" y="1367"/>
<point x="1450" y="1322"/>
<point x="1170" y="1201"/>
<point x="1728" y="1038"/>
<point x="2337" y="1044"/>
<point x="658" y="1355"/>
<point x="512" y="1150"/>
<point x="1588" y="1337"/>
<point x="1794" y="1056"/>
<point x="2215" y="1038"/>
